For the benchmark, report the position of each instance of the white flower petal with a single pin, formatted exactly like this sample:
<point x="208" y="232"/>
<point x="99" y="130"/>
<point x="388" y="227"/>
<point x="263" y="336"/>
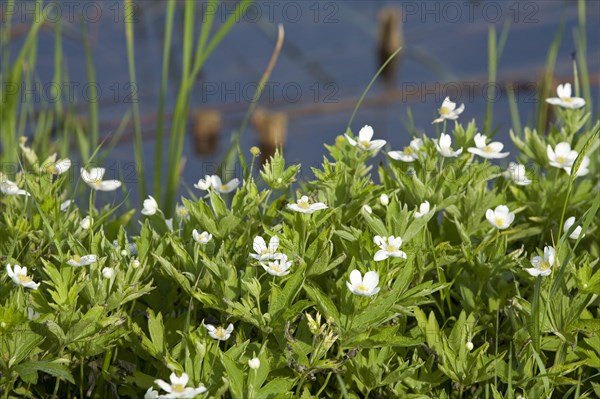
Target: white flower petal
<point x="355" y="277"/>
<point x="371" y="279"/>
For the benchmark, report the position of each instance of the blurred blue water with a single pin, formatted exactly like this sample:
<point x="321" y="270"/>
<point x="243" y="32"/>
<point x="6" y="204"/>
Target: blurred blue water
<point x="329" y="56"/>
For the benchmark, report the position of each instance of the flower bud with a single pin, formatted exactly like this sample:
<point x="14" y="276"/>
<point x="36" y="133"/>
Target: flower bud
<point x="384" y="199"/>
<point x="470" y="346"/>
<point x="254" y="363"/>
<point x="108" y="272"/>
<point x="86" y="223"/>
<point x="255" y="151"/>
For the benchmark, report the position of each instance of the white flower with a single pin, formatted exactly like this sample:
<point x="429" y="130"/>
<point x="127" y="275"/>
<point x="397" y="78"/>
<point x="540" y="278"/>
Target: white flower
<point x="367" y="286"/>
<point x="169" y="223"/>
<point x="177" y="387"/>
<point x="151" y="393"/>
<point x="8" y="187"/>
<point x="264" y="252"/>
<point x="423" y="209"/>
<point x="389" y="247"/>
<point x="408" y="154"/>
<point x="576" y="232"/>
<point x="516" y="173"/>
<point x="542" y="266"/>
<point x="82" y="260"/>
<point x="562" y="156"/>
<point x="201" y="238"/>
<point x="182" y="212"/>
<point x="222" y="188"/>
<point x="364" y="140"/>
<point x="108" y="272"/>
<point x="303" y="206"/>
<point x="219" y="333"/>
<point x="449" y="111"/>
<point x="564" y="98"/>
<point x="254" y="363"/>
<point x="469" y="346"/>
<point x="32" y="314"/>
<point x="65" y="205"/>
<point x="501" y="217"/>
<point x="583" y="167"/>
<point x="86" y="223"/>
<point x="384" y="199"/>
<point x="367" y="209"/>
<point x="19" y="277"/>
<point x="135" y="263"/>
<point x="57" y="168"/>
<point x="487" y="151"/>
<point x="204" y="184"/>
<point x="150" y="206"/>
<point x="444" y="146"/>
<point x="93" y="178"/>
<point x="278" y="267"/>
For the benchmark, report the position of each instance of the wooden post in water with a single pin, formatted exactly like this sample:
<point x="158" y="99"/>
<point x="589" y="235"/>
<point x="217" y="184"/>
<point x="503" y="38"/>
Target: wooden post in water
<point x="390" y="38"/>
<point x="206" y="130"/>
<point x="272" y="131"/>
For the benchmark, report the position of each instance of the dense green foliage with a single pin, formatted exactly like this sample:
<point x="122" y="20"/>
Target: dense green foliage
<point x="458" y="317"/>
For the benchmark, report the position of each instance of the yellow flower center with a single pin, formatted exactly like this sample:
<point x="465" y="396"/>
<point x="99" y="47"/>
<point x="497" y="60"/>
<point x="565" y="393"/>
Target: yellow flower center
<point x="220" y="333"/>
<point x="561" y="159"/>
<point x="76" y="258"/>
<point x="52" y="169"/>
<point x="444" y="111"/>
<point x="408" y="150"/>
<point x="567" y="99"/>
<point x="488" y="149"/>
<point x="97" y="182"/>
<point x="303" y="204"/>
<point x="545" y="265"/>
<point x="362" y="288"/>
<point x="182" y="212"/>
<point x="499" y="221"/>
<point x="23" y="278"/>
<point x="179" y="388"/>
<point x="390" y="248"/>
<point x="365" y="143"/>
<point x="275" y="267"/>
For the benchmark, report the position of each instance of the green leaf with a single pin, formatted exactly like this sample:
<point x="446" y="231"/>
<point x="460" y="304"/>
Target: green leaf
<point x="54" y="368"/>
<point x="157" y="331"/>
<point x="86" y="326"/>
<point x="282" y="299"/>
<point x="586" y="325"/>
<point x="324" y="303"/>
<point x="277" y="388"/>
<point x="234" y="376"/>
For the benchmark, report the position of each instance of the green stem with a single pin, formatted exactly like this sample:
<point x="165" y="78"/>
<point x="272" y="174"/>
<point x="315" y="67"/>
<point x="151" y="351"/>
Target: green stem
<point x="137" y="129"/>
<point x="81" y="378"/>
<point x="324" y="385"/>
<point x="342" y="385"/>
<point x="535" y="315"/>
<point x="56" y="386"/>
<point x="364" y="94"/>
<point x="161" y="100"/>
<point x="562" y="216"/>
